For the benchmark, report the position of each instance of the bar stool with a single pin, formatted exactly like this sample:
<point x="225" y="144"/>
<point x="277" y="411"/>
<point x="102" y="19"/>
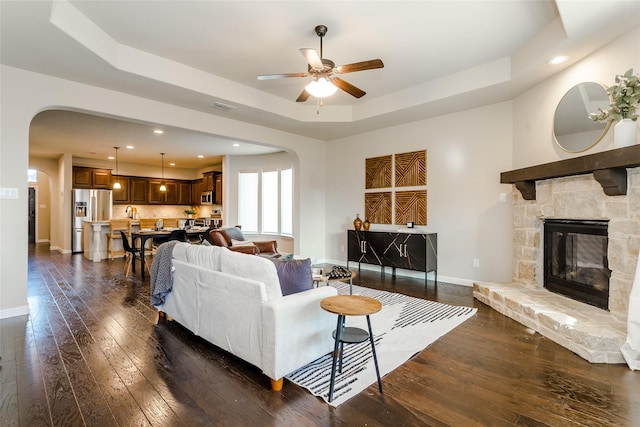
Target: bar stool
<point x="115" y="227"/>
<point x="350" y="305"/>
<point x="148" y="224"/>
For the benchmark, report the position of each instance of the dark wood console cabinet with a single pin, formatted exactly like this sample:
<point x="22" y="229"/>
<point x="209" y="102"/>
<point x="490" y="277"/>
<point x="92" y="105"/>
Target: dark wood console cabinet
<point x="410" y="251"/>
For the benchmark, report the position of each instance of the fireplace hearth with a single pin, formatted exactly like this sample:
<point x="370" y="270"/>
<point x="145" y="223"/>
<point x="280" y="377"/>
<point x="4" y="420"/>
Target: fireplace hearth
<point x="575" y="260"/>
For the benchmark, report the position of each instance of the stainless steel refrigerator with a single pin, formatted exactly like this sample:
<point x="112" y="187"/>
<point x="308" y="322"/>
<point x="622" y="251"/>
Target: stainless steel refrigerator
<point x="88" y="205"/>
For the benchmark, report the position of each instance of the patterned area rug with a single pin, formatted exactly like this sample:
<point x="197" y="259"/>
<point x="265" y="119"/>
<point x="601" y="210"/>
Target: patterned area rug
<point x="405" y="326"/>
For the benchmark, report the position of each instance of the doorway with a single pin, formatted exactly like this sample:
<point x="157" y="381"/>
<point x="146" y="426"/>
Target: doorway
<point x="32" y="215"/>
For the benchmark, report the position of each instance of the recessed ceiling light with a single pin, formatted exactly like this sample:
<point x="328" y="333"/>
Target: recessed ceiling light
<point x="200" y="156"/>
<point x="172" y="164"/>
<point x="130" y="147"/>
<point x="557" y="60"/>
<point x="158" y="131"/>
<point x="111" y="158"/>
<point x="236" y="145"/>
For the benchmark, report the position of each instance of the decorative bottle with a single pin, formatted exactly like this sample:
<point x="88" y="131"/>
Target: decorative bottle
<point x="366" y="224"/>
<point x="357" y="223"/>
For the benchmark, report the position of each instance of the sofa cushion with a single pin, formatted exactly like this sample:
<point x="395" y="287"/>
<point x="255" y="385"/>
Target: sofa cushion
<point x="252" y="267"/>
<point x="294" y="275"/>
<point x="235" y="242"/>
<point x="202" y="256"/>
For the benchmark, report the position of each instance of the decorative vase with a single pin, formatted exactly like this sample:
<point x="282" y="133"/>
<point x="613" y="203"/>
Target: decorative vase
<point x="624" y="133"/>
<point x="366" y="224"/>
<point x="357" y="223"/>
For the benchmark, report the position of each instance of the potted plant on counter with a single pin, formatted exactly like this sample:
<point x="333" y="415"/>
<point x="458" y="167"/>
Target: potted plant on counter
<point x="190" y="212"/>
<point x="625" y="96"/>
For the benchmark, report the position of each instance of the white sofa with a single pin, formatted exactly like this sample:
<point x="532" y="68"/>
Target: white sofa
<point x="234" y="301"/>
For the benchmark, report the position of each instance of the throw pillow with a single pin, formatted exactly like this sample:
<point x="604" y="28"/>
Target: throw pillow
<point x="288" y="257"/>
<point x="205" y="242"/>
<point x="294" y="275"/>
<point x="234" y="233"/>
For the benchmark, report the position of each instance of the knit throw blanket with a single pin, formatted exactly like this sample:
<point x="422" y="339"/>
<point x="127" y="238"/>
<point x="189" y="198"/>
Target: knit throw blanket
<point x="162" y="273"/>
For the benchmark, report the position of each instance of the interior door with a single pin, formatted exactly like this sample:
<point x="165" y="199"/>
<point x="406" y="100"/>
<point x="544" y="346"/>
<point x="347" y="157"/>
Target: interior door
<point x="32" y="215"/>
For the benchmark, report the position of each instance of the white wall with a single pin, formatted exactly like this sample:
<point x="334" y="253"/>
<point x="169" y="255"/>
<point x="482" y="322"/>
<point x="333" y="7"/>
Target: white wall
<point x="25" y="94"/>
<point x="282" y="160"/>
<point x="466" y="152"/>
<point x="533" y="142"/>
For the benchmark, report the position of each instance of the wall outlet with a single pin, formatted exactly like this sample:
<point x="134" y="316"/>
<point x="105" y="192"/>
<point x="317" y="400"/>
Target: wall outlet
<point x="503" y="197"/>
<point x="341" y="248"/>
<point x="476" y="263"/>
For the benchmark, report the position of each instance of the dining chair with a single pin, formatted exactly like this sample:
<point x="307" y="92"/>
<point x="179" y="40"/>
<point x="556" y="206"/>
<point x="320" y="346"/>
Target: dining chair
<point x="179" y="235"/>
<point x="132" y="254"/>
<point x="148" y="224"/>
<point x="115" y="227"/>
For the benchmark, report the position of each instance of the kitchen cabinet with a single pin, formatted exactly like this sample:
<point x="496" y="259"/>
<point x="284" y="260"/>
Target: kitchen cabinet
<point x="410" y="251"/>
<point x="83" y="177"/>
<point x="171" y="195"/>
<point x="101" y="178"/>
<point x="208" y="181"/>
<point x="154" y="195"/>
<point x="184" y="193"/>
<point x="138" y="187"/>
<point x="123" y="194"/>
<point x="136" y="190"/>
<point x="197" y="187"/>
<point x="217" y="188"/>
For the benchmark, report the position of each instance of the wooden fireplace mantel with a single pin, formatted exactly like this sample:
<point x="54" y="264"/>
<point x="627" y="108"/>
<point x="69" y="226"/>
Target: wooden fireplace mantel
<point x="609" y="168"/>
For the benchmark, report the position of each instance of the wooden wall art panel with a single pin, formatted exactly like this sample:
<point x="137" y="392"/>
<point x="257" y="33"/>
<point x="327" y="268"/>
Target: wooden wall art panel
<point x="377" y="207"/>
<point x="378" y="172"/>
<point x="411" y="206"/>
<point x="411" y="168"/>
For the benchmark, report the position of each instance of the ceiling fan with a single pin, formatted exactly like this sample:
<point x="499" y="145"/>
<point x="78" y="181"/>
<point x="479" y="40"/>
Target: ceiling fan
<point x="325" y="73"/>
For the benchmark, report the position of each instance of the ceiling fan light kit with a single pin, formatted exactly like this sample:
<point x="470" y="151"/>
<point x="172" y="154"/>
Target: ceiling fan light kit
<point x="325" y="73"/>
<point x="321" y="88"/>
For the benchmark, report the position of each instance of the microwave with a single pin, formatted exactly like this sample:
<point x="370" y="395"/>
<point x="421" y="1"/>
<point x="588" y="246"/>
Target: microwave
<point x="206" y="198"/>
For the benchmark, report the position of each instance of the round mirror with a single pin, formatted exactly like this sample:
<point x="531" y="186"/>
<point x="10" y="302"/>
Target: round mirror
<point x="573" y="130"/>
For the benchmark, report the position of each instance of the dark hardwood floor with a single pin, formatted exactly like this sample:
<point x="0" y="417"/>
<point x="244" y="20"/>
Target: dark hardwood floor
<point x="91" y="352"/>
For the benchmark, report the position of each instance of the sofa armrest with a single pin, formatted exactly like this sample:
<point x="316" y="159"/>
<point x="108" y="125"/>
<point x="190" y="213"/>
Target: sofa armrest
<point x="267" y="246"/>
<point x="296" y="331"/>
<point x="245" y="249"/>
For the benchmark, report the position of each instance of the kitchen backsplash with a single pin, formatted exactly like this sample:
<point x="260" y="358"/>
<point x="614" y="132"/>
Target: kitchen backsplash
<point x="167" y="211"/>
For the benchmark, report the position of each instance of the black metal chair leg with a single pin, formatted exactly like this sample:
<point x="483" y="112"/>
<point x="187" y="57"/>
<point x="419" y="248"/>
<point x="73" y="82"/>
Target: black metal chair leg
<point x="335" y="355"/>
<point x="373" y="350"/>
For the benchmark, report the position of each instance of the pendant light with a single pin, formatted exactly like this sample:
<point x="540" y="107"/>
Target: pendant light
<point x="116" y="185"/>
<point x="162" y="186"/>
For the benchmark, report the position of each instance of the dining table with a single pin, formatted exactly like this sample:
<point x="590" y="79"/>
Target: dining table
<point x="143" y="235"/>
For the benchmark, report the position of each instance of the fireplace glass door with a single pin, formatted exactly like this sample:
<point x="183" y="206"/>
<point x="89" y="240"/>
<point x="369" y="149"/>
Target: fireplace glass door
<point x="575" y="260"/>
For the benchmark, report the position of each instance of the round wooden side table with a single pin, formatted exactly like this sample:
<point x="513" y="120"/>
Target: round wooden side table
<point x="351" y="305"/>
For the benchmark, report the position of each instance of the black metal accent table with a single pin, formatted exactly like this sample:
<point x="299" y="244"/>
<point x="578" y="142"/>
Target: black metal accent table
<point x="351" y="305"/>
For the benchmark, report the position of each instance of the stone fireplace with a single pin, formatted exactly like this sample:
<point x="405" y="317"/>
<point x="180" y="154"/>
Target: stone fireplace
<point x="576" y="260"/>
<point x="594" y="333"/>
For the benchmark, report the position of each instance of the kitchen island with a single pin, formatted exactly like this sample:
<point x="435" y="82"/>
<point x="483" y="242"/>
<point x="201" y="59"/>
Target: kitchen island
<point x="95" y="235"/>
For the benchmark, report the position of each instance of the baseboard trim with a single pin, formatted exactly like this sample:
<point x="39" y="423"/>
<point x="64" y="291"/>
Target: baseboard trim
<point x="59" y="249"/>
<point x="14" y="312"/>
<point x="401" y="272"/>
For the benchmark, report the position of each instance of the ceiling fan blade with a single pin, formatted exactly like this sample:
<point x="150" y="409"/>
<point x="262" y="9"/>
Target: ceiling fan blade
<point x="360" y="66"/>
<point x="303" y="96"/>
<point x="348" y="87"/>
<point x="281" y="76"/>
<point x="312" y="57"/>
